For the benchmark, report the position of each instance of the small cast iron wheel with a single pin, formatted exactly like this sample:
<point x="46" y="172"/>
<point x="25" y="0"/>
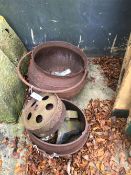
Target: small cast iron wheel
<point x="44" y="117"/>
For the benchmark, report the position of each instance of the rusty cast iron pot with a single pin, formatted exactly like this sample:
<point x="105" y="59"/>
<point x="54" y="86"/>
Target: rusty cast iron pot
<point x="44" y="117"/>
<point x="63" y="149"/>
<point x="55" y="57"/>
<point x="66" y="93"/>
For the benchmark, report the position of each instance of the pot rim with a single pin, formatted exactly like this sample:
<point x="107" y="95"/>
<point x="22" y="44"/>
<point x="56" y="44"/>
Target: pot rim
<point x="61" y="44"/>
<point x="45" y="90"/>
<point x="86" y="129"/>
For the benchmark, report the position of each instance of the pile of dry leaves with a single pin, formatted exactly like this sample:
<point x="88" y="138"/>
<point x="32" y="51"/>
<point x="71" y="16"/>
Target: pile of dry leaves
<point x="105" y="153"/>
<point x="111" y="67"/>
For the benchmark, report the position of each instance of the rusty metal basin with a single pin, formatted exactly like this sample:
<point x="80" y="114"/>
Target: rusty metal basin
<point x="63" y="149"/>
<point x="49" y="61"/>
<point x="56" y="65"/>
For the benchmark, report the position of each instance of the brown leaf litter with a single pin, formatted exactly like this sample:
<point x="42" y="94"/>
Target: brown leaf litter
<point x="105" y="153"/>
<point x="111" y="67"/>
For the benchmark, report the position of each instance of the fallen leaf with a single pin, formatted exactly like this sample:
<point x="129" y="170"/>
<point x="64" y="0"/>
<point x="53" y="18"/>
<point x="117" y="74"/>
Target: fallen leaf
<point x="100" y="140"/>
<point x="1" y="163"/>
<point x="19" y="170"/>
<point x="100" y="152"/>
<point x="86" y="157"/>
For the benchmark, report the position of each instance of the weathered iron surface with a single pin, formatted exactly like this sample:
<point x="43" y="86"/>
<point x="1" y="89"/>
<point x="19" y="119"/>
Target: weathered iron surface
<point x="47" y="65"/>
<point x="44" y="117"/>
<point x="67" y="148"/>
<point x="56" y="64"/>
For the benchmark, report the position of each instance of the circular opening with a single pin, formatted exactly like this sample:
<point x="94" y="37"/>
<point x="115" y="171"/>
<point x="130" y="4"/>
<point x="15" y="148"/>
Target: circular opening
<point x="49" y="106"/>
<point x="45" y="98"/>
<point x="39" y="118"/>
<point x="59" y="61"/>
<point x="33" y="103"/>
<point x="29" y="116"/>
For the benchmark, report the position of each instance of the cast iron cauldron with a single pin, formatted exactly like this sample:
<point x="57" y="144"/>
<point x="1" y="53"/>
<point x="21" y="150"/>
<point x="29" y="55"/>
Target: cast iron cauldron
<point x="56" y="67"/>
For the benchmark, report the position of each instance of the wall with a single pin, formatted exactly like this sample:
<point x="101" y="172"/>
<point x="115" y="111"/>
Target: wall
<point x="98" y="26"/>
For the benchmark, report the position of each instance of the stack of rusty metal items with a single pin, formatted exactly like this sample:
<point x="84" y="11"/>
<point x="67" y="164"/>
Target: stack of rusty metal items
<point x="57" y="71"/>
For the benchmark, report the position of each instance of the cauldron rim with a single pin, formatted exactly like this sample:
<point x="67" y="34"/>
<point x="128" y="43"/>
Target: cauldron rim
<point x="60" y="44"/>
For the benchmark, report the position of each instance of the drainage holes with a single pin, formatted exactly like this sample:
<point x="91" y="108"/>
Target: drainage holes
<point x="29" y="116"/>
<point x="33" y="104"/>
<point x="45" y="98"/>
<point x="39" y="118"/>
<point x="49" y="106"/>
